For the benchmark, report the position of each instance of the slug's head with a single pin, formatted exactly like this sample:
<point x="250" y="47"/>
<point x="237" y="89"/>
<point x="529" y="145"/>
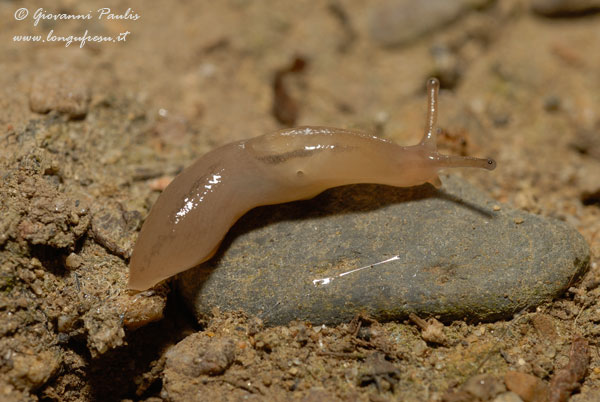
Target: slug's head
<point x="434" y="160"/>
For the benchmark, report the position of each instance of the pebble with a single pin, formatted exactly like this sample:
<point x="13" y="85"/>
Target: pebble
<point x="526" y="386"/>
<point x="199" y="355"/>
<point x="398" y="22"/>
<point x="507" y="397"/>
<point x="387" y="252"/>
<point x="73" y="261"/>
<point x="483" y="387"/>
<point x="142" y="308"/>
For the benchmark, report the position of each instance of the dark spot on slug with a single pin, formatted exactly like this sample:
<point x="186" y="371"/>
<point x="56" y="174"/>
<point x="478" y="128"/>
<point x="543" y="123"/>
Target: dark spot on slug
<point x="280" y="158"/>
<point x="302" y="153"/>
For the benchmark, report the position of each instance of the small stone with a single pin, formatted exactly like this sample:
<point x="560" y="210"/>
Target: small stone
<point x="507" y="397"/>
<point x="266" y="379"/>
<point x="74" y="218"/>
<point x="527" y="386"/>
<point x="73" y="261"/>
<point x="545" y="327"/>
<point x="54" y="166"/>
<point x="37" y="288"/>
<point x="142" y="308"/>
<point x="483" y="387"/>
<point x="199" y="355"/>
<point x="419" y="348"/>
<point x="398" y="22"/>
<point x="388" y="252"/>
<point x="65" y="323"/>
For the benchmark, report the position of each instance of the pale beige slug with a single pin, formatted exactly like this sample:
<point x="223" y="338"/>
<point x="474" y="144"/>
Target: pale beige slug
<point x="190" y="218"/>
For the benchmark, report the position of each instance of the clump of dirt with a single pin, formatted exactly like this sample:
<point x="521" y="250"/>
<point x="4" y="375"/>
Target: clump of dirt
<point x="61" y="284"/>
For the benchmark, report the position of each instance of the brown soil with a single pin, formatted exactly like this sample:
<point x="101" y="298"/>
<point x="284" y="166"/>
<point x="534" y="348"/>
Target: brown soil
<point x="90" y="134"/>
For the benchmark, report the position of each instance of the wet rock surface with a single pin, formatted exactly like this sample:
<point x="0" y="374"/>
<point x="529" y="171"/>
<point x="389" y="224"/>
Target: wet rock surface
<point x="387" y="252"/>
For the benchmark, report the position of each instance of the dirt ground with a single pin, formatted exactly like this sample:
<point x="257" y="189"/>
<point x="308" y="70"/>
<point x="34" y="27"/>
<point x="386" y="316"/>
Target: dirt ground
<point x="91" y="134"/>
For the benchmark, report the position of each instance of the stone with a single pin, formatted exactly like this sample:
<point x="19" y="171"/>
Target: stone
<point x="142" y="308"/>
<point x="507" y="397"/>
<point x="399" y="22"/>
<point x="483" y="387"/>
<point x="527" y="386"/>
<point x="387" y="252"/>
<point x="199" y="354"/>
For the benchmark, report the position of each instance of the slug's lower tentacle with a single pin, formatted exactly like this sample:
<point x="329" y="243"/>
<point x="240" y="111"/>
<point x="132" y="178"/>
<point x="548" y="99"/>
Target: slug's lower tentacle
<point x="452" y="161"/>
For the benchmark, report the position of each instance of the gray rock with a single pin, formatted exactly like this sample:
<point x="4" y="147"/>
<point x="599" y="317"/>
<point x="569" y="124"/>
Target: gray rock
<point x="448" y="254"/>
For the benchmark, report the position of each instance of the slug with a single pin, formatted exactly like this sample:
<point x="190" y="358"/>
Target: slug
<point x="191" y="217"/>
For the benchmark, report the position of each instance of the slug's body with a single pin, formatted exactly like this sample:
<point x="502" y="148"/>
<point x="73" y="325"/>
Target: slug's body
<point x="193" y="214"/>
